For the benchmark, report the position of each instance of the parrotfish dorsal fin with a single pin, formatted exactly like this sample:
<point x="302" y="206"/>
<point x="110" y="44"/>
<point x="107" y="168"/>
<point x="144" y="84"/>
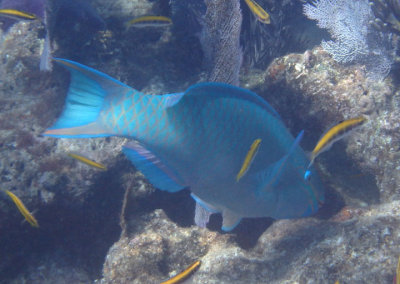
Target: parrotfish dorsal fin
<point x="159" y="174"/>
<point x="172" y="99"/>
<point x="218" y="90"/>
<point x="85" y="99"/>
<point x="229" y="220"/>
<point x="271" y="175"/>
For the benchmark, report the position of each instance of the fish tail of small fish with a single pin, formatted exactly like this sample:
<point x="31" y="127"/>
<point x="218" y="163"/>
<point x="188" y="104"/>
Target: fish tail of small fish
<point x="87" y="97"/>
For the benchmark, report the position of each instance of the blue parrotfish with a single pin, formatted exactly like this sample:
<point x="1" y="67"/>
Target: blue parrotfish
<point x="198" y="139"/>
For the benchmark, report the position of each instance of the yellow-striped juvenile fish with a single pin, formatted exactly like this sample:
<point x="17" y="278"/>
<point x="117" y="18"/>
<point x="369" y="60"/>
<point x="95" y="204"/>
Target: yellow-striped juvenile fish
<point x="249" y="159"/>
<point x="88" y="161"/>
<point x="17" y="15"/>
<point x="149" y="21"/>
<point x="184" y="274"/>
<point x="334" y="134"/>
<point x="23" y="210"/>
<point x="258" y="12"/>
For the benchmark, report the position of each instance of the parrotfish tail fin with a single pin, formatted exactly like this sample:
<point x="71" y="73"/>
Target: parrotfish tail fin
<point x="85" y="99"/>
<point x="272" y="174"/>
<point x="155" y="170"/>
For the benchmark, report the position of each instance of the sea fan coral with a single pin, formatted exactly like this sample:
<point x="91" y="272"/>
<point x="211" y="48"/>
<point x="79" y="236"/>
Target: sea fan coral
<point x="355" y="39"/>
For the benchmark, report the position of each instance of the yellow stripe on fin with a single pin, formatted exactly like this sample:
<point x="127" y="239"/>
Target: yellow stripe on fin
<point x="87" y="161"/>
<point x="249" y="159"/>
<point x="184" y="274"/>
<point x="23" y="210"/>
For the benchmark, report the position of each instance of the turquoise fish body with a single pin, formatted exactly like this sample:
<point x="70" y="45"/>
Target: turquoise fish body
<point x="198" y="139"/>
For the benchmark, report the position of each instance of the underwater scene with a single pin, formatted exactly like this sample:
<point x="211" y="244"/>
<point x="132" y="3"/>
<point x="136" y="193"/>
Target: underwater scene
<point x="199" y="141"/>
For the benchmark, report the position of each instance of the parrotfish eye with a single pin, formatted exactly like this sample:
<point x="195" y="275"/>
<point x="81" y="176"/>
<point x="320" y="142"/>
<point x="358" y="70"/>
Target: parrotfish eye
<point x="307" y="175"/>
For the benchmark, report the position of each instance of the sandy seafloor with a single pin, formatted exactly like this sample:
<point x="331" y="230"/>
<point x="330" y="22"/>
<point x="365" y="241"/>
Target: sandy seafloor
<point x="114" y="227"/>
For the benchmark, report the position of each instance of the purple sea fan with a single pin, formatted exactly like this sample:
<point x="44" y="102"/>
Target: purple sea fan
<point x="347" y="22"/>
<point x="355" y="40"/>
<point x="220" y="39"/>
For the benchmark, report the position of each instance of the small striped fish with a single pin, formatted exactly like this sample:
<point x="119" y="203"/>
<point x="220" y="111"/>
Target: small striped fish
<point x="17" y="15"/>
<point x="87" y="161"/>
<point x="149" y="21"/>
<point x="23" y="210"/>
<point x="184" y="274"/>
<point x="258" y="12"/>
<point x="334" y="134"/>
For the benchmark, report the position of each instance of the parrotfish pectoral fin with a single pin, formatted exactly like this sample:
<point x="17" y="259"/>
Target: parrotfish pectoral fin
<point x="159" y="174"/>
<point x="272" y="174"/>
<point x="201" y="216"/>
<point x="229" y="220"/>
<point x="85" y="99"/>
<point x="202" y="212"/>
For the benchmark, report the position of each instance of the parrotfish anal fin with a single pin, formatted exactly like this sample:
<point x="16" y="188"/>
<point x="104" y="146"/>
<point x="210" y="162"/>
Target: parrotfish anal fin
<point x="229" y="220"/>
<point x="85" y="100"/>
<point x="152" y="167"/>
<point x="272" y="174"/>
